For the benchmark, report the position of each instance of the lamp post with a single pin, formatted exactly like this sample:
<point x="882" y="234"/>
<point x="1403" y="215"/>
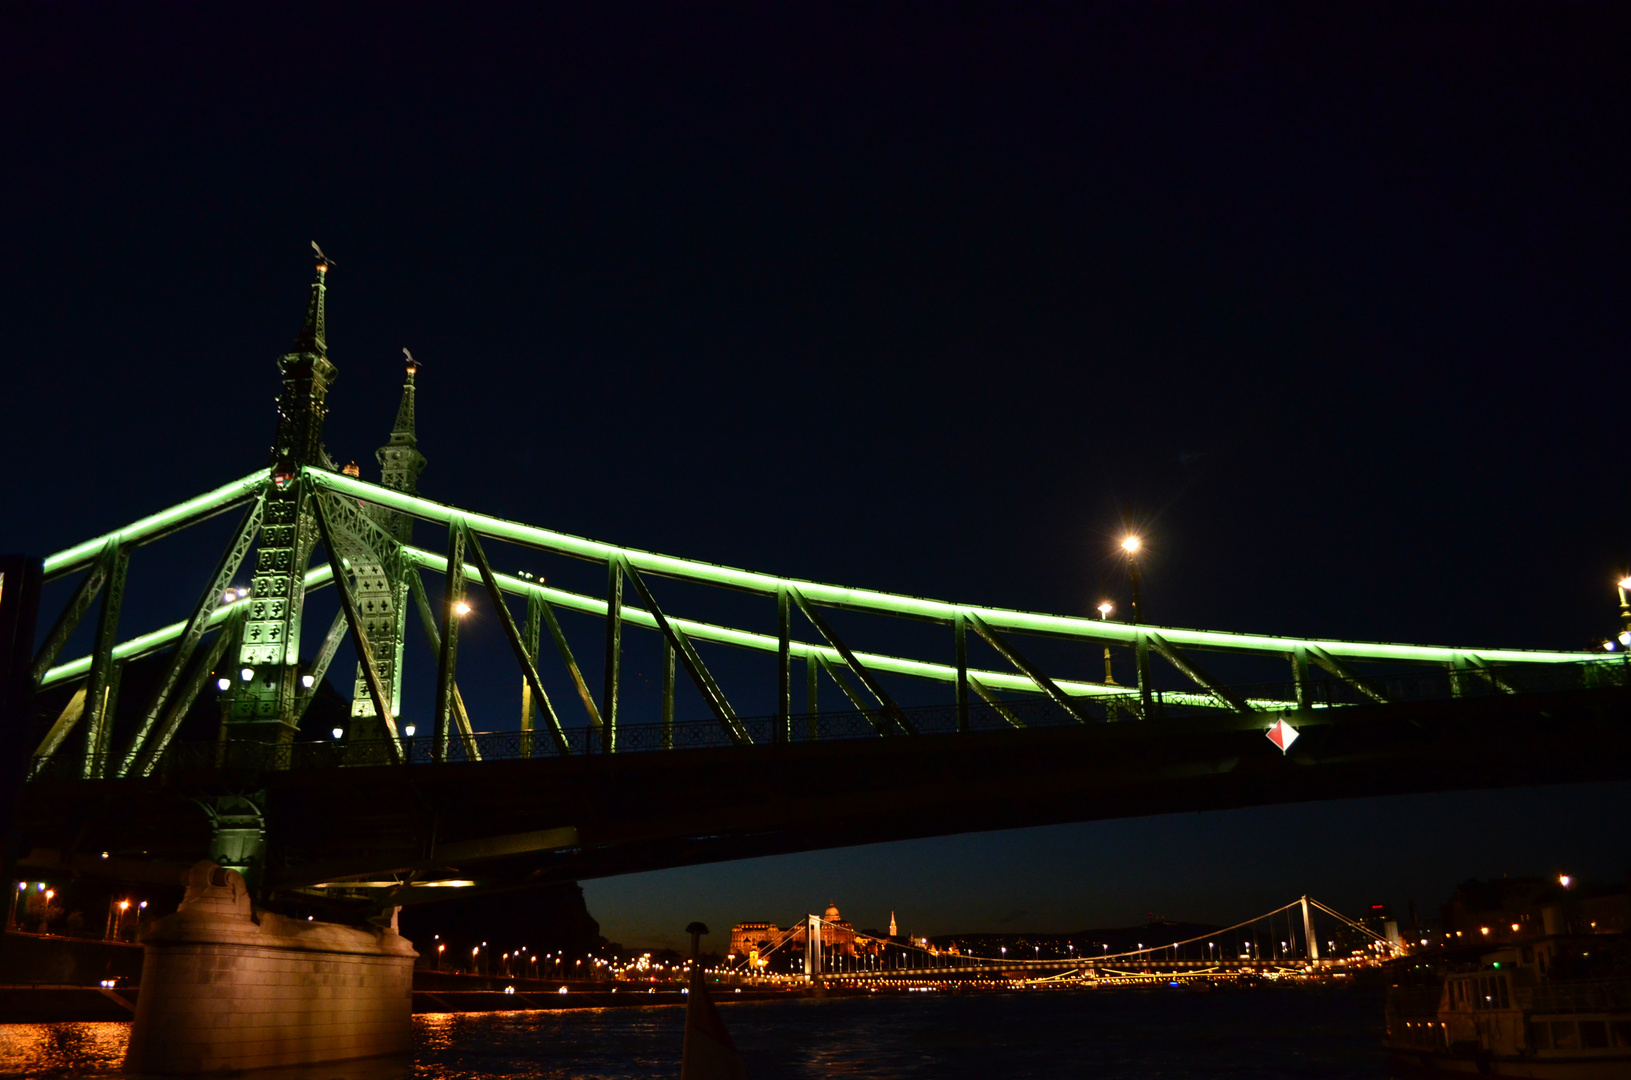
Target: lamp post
<point x="1131" y="545"/>
<point x="1105" y="608"/>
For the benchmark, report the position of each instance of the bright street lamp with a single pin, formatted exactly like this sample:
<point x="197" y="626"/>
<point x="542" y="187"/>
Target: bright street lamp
<point x="1132" y="545"/>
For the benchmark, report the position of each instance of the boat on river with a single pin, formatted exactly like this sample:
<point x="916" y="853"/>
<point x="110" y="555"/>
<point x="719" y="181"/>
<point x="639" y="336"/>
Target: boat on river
<point x="1552" y="1007"/>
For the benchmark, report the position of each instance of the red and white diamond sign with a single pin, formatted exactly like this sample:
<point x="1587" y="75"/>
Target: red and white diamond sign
<point x="1282" y="735"/>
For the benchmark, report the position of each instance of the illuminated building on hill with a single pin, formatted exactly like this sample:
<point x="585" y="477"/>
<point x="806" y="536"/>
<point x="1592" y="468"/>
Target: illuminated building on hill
<point x="756" y="940"/>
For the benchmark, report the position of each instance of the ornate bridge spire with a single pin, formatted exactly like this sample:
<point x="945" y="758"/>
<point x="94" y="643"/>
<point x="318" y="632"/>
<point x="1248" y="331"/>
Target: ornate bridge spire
<point x="263" y="702"/>
<point x="399" y="459"/>
<point x="307" y="376"/>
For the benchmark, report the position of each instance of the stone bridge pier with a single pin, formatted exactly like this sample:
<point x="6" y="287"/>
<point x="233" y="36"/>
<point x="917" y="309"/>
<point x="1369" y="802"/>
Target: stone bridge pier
<point x="226" y="988"/>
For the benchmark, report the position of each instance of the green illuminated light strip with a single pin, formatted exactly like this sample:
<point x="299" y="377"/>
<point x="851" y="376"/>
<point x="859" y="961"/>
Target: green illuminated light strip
<point x="911" y="606"/>
<point x="743" y="639"/>
<point x="160" y="524"/>
<point x="154" y="640"/>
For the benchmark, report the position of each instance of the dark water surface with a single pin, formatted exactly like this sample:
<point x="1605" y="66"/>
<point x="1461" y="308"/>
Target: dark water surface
<point x="1140" y="1035"/>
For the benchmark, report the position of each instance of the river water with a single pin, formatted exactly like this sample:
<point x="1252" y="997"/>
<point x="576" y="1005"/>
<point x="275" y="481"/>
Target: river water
<point x="1281" y="1033"/>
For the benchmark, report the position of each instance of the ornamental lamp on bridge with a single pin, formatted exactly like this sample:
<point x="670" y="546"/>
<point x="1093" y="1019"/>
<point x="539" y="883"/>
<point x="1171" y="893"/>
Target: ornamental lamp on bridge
<point x="1132" y="544"/>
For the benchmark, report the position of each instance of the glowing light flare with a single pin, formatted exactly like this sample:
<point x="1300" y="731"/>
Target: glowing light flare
<point x="461" y="609"/>
<point x="1131" y="544"/>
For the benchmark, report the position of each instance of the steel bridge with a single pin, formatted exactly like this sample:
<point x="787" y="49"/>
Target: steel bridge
<point x="1276" y="944"/>
<point x="578" y="788"/>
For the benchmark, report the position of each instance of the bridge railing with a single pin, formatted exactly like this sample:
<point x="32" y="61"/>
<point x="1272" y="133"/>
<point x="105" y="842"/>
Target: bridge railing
<point x="1269" y="699"/>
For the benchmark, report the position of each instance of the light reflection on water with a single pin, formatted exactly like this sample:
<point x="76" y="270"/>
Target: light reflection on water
<point x="1319" y="1035"/>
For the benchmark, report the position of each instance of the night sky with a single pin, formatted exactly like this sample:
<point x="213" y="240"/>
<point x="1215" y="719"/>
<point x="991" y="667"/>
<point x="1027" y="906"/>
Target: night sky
<point x="1327" y="301"/>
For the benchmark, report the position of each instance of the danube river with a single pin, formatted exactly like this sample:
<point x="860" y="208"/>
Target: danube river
<point x="1140" y="1035"/>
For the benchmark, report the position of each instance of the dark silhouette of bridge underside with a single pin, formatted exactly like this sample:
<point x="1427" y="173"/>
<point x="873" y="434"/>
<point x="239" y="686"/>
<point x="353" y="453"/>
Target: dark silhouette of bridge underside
<point x="509" y="824"/>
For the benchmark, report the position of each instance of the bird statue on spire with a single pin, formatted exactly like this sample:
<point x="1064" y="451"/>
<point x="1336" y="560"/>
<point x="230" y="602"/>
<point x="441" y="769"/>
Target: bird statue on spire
<point x="323" y="261"/>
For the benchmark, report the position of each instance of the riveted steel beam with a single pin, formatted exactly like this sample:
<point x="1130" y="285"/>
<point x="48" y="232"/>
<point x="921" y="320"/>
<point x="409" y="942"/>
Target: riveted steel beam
<point x="811" y="660"/>
<point x="60" y="728"/>
<point x="1302" y="686"/>
<point x="870" y="681"/>
<point x="319" y="666"/>
<point x="67" y="622"/>
<point x="99" y="687"/>
<point x="158" y="525"/>
<point x="530" y="636"/>
<point x="909" y="606"/>
<point x="784" y="668"/>
<point x="996" y="703"/>
<point x="668" y="693"/>
<point x="694" y="667"/>
<point x="359" y="636"/>
<point x="1032" y="672"/>
<point x="561" y="646"/>
<point x="960" y="635"/>
<point x="1192" y="671"/>
<point x="879" y="723"/>
<point x="315" y="578"/>
<point x="461" y="717"/>
<point x="614" y="653"/>
<point x="190" y="690"/>
<point x="1141" y="665"/>
<point x="448" y="652"/>
<point x="1501" y="681"/>
<point x="744" y="639"/>
<point x="1349" y="676"/>
<point x="214" y="592"/>
<point x="528" y="670"/>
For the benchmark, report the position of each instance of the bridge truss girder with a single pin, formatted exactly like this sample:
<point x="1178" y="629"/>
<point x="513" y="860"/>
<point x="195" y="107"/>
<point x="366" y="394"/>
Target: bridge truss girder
<point x="346" y="512"/>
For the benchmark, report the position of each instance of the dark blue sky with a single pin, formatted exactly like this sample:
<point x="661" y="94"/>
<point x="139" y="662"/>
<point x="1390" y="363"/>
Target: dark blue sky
<point x="1330" y="300"/>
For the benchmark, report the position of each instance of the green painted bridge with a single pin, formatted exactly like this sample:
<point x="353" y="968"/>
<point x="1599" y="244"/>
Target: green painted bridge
<point x="577" y="785"/>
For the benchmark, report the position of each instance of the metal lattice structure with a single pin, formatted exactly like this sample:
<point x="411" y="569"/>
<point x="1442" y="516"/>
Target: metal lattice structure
<point x="301" y="501"/>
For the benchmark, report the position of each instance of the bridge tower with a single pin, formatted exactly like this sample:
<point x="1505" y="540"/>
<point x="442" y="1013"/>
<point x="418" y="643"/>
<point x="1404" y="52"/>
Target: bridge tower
<point x="812" y="947"/>
<point x="261" y="705"/>
<point x="380" y="576"/>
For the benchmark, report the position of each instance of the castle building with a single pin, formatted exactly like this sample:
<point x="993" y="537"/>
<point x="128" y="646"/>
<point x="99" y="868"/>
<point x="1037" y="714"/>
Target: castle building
<point x="756" y="940"/>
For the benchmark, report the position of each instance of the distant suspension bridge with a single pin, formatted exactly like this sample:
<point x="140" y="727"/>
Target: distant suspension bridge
<point x="1274" y="944"/>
